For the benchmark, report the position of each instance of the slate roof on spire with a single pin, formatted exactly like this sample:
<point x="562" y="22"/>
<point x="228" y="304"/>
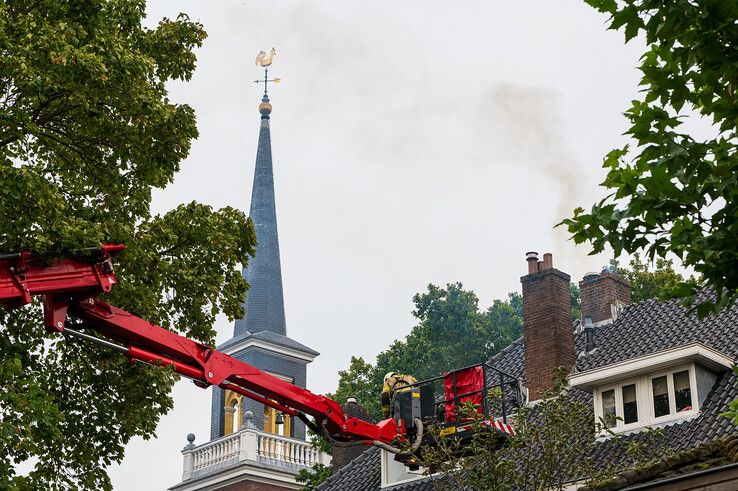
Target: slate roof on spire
<point x="264" y="303"/>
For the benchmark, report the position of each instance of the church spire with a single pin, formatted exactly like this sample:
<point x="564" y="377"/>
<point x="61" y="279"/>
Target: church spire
<point x="264" y="303"/>
<point x="260" y="337"/>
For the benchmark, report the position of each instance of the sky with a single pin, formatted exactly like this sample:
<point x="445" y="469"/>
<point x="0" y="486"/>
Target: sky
<point x="413" y="143"/>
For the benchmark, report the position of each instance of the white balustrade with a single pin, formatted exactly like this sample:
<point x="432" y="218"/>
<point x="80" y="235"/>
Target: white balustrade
<point x="215" y="452"/>
<point x="250" y="445"/>
<point x="286" y="451"/>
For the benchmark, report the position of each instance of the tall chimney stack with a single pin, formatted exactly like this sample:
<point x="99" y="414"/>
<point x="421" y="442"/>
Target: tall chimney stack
<point x="343" y="455"/>
<point x="548" y="333"/>
<point x="602" y="295"/>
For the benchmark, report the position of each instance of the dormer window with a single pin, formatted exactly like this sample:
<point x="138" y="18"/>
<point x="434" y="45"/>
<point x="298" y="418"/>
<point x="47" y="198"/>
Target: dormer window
<point x="648" y="399"/>
<point x="654" y="389"/>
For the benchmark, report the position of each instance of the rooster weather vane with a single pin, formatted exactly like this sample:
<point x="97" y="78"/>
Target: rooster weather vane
<point x="265" y="60"/>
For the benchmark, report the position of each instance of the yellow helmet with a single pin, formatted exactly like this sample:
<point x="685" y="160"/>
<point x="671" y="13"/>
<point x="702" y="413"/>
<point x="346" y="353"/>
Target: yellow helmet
<point x="389" y="376"/>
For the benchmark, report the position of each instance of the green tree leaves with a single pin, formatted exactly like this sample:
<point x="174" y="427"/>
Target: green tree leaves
<point x="658" y="283"/>
<point x="452" y="333"/>
<point x="86" y="131"/>
<point x="676" y="191"/>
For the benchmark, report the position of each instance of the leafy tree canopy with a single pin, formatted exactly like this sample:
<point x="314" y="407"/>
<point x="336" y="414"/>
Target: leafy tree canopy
<point x="311" y="478"/>
<point x="86" y="132"/>
<point x="676" y="191"/>
<point x="452" y="333"/>
<point x="657" y="282"/>
<point x="359" y="381"/>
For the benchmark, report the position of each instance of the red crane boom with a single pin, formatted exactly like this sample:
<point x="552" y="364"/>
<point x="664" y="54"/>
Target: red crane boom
<point x="70" y="286"/>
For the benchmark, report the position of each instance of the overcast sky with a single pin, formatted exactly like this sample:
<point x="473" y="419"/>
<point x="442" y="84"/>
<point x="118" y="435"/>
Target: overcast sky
<point x="413" y="143"/>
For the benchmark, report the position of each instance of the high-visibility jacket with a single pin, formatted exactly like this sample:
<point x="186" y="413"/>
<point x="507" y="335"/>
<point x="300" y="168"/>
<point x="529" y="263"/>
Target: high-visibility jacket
<point x="392" y="385"/>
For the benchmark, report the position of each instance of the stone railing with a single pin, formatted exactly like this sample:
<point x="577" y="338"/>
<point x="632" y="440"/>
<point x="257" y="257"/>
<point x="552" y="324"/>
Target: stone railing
<point x="216" y="453"/>
<point x="246" y="445"/>
<point x="278" y="449"/>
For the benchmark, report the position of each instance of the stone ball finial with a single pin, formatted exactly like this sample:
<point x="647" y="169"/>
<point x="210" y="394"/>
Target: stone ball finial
<point x="191" y="438"/>
<point x="248" y="416"/>
<point x="265" y="108"/>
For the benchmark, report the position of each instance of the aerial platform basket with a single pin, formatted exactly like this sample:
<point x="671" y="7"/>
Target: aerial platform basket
<point x="460" y="402"/>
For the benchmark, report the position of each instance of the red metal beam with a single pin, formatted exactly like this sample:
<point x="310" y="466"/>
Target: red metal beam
<point x="69" y="287"/>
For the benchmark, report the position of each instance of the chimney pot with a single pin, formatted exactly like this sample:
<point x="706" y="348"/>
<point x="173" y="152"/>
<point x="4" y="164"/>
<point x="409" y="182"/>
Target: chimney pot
<point x="532" y="258"/>
<point x="548" y="261"/>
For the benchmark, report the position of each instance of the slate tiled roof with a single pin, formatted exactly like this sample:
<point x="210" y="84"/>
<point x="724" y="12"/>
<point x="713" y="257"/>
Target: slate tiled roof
<point x="264" y="303"/>
<point x="362" y="474"/>
<point x="657" y="326"/>
<point x="511" y="359"/>
<point x="269" y="337"/>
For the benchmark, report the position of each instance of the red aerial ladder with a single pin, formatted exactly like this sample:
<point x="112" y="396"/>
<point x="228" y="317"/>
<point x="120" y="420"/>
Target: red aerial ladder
<point x="70" y="287"/>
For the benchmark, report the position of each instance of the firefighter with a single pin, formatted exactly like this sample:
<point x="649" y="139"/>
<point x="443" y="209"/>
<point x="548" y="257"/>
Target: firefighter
<point x="394" y="382"/>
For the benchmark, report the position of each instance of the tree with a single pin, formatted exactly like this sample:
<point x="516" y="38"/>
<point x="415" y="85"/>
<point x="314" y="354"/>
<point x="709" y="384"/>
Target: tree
<point x="575" y="301"/>
<point x="452" y="333"/>
<point x="359" y="381"/>
<point x="86" y="132"/>
<point x="657" y="283"/>
<point x="676" y="191"/>
<point x="312" y="477"/>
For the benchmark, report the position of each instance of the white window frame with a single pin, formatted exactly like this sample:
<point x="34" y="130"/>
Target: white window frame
<point x="673" y="414"/>
<point x="644" y="399"/>
<point x="619" y="412"/>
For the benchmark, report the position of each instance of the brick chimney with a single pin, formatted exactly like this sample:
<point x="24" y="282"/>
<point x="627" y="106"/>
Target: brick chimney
<point x="343" y="455"/>
<point x="602" y="295"/>
<point x="548" y="333"/>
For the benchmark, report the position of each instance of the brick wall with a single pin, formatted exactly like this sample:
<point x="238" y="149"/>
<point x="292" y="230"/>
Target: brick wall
<point x="547" y="329"/>
<point x="599" y="291"/>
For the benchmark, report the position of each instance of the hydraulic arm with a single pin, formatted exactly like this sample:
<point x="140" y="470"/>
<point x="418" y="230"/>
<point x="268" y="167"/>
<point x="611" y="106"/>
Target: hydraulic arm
<point x="70" y="287"/>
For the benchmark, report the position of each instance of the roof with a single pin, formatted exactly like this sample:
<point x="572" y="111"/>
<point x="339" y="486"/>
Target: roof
<point x="657" y="326"/>
<point x="264" y="303"/>
<point x="268" y="337"/>
<point x="362" y="474"/>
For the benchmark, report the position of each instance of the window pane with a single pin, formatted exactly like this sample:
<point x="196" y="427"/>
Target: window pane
<point x="683" y="392"/>
<point x="608" y="408"/>
<point x="630" y="405"/>
<point x="660" y="396"/>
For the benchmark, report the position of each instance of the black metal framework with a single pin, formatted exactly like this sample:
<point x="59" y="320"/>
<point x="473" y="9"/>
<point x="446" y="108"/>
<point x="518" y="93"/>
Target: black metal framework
<point x="500" y="396"/>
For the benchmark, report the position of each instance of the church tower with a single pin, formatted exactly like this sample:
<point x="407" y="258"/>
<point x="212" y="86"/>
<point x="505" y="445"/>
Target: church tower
<point x="260" y="337"/>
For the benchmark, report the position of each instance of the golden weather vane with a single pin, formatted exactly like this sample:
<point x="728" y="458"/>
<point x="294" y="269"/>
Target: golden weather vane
<point x="265" y="60"/>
